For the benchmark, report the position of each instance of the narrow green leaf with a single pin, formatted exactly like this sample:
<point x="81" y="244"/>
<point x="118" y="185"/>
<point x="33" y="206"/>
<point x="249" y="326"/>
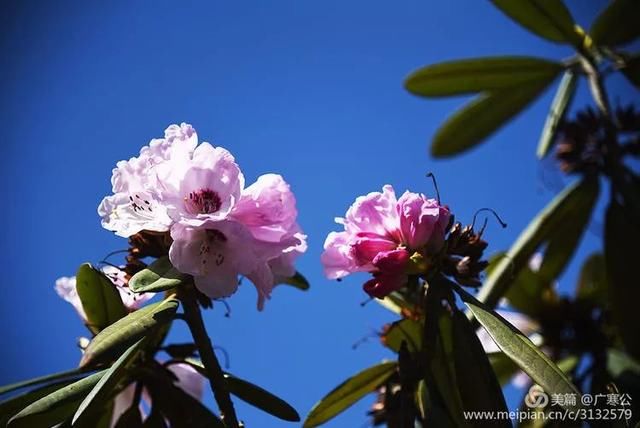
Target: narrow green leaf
<point x="122" y="334"/>
<point x="100" y="299"/>
<point x="158" y="276"/>
<point x="592" y="284"/>
<point x="529" y="293"/>
<point x="559" y="105"/>
<point x="253" y="394"/>
<point x="405" y="330"/>
<point x="555" y="215"/>
<point x="298" y="281"/>
<point x="97" y="398"/>
<point x="13" y="405"/>
<point x="57" y="406"/>
<point x="631" y="70"/>
<point x="131" y="418"/>
<point x="471" y="76"/>
<point x="520" y="349"/>
<point x="564" y="240"/>
<point x="349" y="392"/>
<point x="621" y="238"/>
<point x="549" y="19"/>
<point x="477" y="383"/>
<point x="261" y="398"/>
<point x="503" y="367"/>
<point x="617" y="23"/>
<point x="42" y="379"/>
<point x="619" y="362"/>
<point x="180" y="408"/>
<point x="482" y="117"/>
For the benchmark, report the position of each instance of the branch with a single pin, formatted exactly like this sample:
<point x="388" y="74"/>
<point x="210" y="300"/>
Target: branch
<point x="218" y="383"/>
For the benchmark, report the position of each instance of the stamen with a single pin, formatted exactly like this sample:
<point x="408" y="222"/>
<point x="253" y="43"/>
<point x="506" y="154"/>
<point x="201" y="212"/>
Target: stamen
<point x="435" y="184"/>
<point x="204" y="201"/>
<point x="495" y="214"/>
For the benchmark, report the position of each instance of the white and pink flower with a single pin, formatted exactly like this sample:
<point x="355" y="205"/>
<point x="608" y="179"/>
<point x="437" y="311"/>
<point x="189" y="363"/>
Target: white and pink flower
<point x="220" y="229"/>
<point x="380" y="234"/>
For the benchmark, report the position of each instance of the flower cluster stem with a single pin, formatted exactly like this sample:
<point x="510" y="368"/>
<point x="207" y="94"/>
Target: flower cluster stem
<point x="212" y="367"/>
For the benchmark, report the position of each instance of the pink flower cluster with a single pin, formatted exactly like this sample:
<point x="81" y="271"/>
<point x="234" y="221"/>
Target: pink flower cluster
<point x="380" y="235"/>
<point x="220" y="228"/>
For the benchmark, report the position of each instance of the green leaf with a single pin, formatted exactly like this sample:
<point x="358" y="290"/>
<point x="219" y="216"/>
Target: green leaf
<point x="408" y="330"/>
<point x="42" y="379"/>
<point x="126" y="331"/>
<point x="559" y="105"/>
<point x="438" y="350"/>
<point x="564" y="240"/>
<point x="617" y="23"/>
<point x="180" y="408"/>
<point x="100" y="299"/>
<point x="57" y="406"/>
<point x="471" y="76"/>
<point x="158" y="276"/>
<point x="97" y="398"/>
<point x="529" y="293"/>
<point x="253" y="394"/>
<point x="631" y="70"/>
<point x="298" y="281"/>
<point x="349" y="392"/>
<point x="397" y="303"/>
<point x="131" y="418"/>
<point x="13" y="405"/>
<point x="619" y="362"/>
<point x="520" y="349"/>
<point x="621" y="238"/>
<point x="477" y="383"/>
<point x="549" y="19"/>
<point x="592" y="285"/>
<point x="557" y="214"/>
<point x="503" y="367"/>
<point x="482" y="117"/>
<point x="261" y="398"/>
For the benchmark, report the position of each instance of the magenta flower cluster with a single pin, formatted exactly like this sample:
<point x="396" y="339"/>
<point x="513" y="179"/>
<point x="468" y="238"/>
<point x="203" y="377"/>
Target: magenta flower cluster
<point x="381" y="233"/>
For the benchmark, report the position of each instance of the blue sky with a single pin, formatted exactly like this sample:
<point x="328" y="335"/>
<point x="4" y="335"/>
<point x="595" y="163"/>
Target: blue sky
<point x="309" y="89"/>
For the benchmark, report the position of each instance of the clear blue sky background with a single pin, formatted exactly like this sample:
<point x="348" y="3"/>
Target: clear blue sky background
<point x="309" y="89"/>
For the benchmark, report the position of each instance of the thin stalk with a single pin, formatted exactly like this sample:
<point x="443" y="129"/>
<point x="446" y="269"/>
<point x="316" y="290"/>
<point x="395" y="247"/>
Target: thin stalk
<point x="218" y="383"/>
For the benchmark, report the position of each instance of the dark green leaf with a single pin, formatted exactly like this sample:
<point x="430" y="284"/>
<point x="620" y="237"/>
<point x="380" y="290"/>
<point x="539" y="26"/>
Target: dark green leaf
<point x="482" y="117"/>
<point x="253" y="394"/>
<point x="617" y="24"/>
<point x="298" y="281"/>
<point x="549" y="19"/>
<point x="619" y="362"/>
<point x="99" y="396"/>
<point x="478" y="75"/>
<point x="520" y="349"/>
<point x="349" y="392"/>
<point x="57" y="406"/>
<point x="477" y="383"/>
<point x="119" y="336"/>
<point x="155" y="420"/>
<point x="408" y="330"/>
<point x="631" y="70"/>
<point x="180" y="408"/>
<point x="564" y="240"/>
<point x="559" y="106"/>
<point x="42" y="379"/>
<point x="592" y="284"/>
<point x="529" y="293"/>
<point x="261" y="398"/>
<point x="621" y="238"/>
<point x="503" y="367"/>
<point x="557" y="214"/>
<point x="131" y="418"/>
<point x="438" y="350"/>
<point x="13" y="405"/>
<point x="100" y="299"/>
<point x="158" y="276"/>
